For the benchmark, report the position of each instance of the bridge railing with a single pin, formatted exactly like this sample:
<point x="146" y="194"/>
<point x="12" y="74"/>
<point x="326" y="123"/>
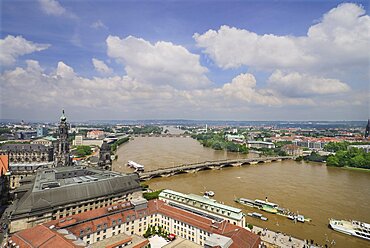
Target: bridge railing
<point x="217" y="162"/>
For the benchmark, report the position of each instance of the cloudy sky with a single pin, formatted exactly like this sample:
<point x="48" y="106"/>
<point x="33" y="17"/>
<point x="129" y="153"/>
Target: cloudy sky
<point x="215" y="60"/>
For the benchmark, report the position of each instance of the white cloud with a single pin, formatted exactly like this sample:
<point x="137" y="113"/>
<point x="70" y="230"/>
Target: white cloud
<point x="230" y="47"/>
<point x="341" y="39"/>
<point x="54" y="8"/>
<point x="162" y="63"/>
<point x="64" y="71"/>
<point x="243" y="87"/>
<point x="124" y="97"/>
<point x="101" y="67"/>
<point x="98" y="24"/>
<point x="303" y="85"/>
<point x="14" y="46"/>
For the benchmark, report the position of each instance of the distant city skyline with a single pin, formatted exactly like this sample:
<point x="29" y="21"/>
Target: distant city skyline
<point x="247" y="60"/>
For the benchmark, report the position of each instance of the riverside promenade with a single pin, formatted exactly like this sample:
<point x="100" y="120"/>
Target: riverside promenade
<point x="277" y="239"/>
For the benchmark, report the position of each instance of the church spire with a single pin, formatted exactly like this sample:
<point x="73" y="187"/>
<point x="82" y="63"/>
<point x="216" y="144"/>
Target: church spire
<point x="63" y="117"/>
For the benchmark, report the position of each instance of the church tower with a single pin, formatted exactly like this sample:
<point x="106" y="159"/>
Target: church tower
<point x="105" y="161"/>
<point x="61" y="154"/>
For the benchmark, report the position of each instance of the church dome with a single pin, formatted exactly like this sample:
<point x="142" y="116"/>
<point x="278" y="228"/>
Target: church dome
<point x="63" y="117"/>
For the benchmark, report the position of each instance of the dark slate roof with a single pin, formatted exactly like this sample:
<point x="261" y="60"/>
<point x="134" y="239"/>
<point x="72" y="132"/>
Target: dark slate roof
<point x="70" y="190"/>
<point x="24" y="147"/>
<point x="105" y="146"/>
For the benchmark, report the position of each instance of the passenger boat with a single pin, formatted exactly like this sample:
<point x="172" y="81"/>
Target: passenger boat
<point x="257" y="215"/>
<point x="354" y="228"/>
<point x="272" y="208"/>
<point x="136" y="166"/>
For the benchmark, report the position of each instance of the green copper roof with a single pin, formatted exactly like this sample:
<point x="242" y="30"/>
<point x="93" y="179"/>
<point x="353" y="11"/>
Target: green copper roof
<point x="200" y="202"/>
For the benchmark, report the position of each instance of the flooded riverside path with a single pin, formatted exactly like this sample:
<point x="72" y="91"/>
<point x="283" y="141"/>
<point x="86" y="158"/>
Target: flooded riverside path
<point x="316" y="191"/>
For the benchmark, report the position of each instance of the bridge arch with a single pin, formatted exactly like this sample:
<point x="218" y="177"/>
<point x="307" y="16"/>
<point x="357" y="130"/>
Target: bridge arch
<point x="204" y="168"/>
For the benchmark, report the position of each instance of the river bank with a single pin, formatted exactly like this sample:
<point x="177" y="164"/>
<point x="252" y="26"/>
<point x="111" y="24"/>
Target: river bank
<point x="314" y="189"/>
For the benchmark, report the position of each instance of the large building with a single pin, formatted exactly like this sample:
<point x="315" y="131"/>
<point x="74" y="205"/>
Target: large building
<point x="61" y="151"/>
<point x="136" y="216"/>
<point x="260" y="144"/>
<point x="95" y="134"/>
<point x="205" y="205"/>
<point x="46" y="141"/>
<point x="20" y="171"/>
<point x="292" y="150"/>
<point x="63" y="191"/>
<point x="42" y="131"/>
<point x="27" y="153"/>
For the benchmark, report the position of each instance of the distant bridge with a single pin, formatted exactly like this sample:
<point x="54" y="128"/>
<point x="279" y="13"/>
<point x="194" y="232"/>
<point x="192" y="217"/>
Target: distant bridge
<point x="170" y="135"/>
<point x="208" y="165"/>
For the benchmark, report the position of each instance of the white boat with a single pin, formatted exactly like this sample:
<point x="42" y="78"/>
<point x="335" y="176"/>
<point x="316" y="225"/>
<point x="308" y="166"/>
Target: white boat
<point x="136" y="166"/>
<point x="257" y="215"/>
<point x="209" y="193"/>
<point x="354" y="228"/>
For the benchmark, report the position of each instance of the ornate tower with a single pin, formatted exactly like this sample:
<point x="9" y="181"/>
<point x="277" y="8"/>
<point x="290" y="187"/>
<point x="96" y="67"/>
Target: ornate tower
<point x="61" y="152"/>
<point x="105" y="161"/>
<point x="367" y="130"/>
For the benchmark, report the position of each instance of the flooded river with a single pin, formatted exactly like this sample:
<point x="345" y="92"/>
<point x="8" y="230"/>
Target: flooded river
<point x="316" y="191"/>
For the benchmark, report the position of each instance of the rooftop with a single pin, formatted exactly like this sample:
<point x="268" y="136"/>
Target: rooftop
<point x="234" y="212"/>
<point x="64" y="185"/>
<point x="119" y="239"/>
<point x="4" y="164"/>
<point x="45" y="237"/>
<point x="24" y="147"/>
<point x="182" y="243"/>
<point x="91" y="221"/>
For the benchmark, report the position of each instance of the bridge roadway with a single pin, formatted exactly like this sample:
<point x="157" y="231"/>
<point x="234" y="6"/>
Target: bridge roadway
<point x="165" y="135"/>
<point x="207" y="165"/>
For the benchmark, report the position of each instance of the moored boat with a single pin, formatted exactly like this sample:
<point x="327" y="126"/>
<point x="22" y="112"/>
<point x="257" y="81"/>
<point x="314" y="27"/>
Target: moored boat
<point x="354" y="228"/>
<point x="257" y="215"/>
<point x="272" y="208"/>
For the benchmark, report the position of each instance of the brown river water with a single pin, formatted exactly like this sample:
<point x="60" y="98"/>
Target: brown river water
<point x="316" y="191"/>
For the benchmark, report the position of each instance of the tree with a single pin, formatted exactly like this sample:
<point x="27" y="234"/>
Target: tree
<point x="332" y="161"/>
<point x="336" y="146"/>
<point x="82" y="151"/>
<point x="217" y="146"/>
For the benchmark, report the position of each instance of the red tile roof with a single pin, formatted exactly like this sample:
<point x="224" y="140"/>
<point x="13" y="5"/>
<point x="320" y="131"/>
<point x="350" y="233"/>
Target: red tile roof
<point x="91" y="219"/>
<point x="124" y="241"/>
<point x="42" y="237"/>
<point x="240" y="236"/>
<point x="4" y="164"/>
<point x="142" y="244"/>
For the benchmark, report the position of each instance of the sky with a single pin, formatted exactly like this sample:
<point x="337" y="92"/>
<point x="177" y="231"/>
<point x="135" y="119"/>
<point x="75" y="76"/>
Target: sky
<point x="201" y="60"/>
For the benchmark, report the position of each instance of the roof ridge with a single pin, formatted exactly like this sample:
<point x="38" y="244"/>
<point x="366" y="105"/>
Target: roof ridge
<point x="21" y="238"/>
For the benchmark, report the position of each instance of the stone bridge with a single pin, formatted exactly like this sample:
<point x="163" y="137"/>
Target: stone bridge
<point x="165" y="135"/>
<point x="208" y="165"/>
